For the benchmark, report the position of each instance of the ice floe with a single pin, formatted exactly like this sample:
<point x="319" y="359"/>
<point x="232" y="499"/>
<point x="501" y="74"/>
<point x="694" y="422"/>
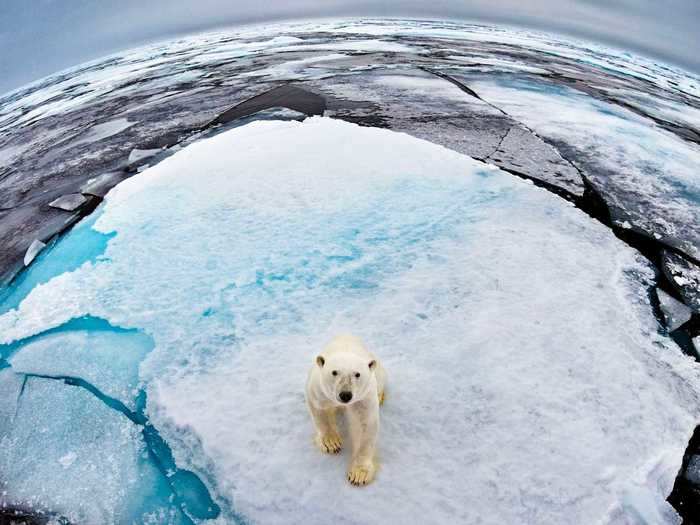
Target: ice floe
<point x="646" y="174"/>
<point x="528" y="381"/>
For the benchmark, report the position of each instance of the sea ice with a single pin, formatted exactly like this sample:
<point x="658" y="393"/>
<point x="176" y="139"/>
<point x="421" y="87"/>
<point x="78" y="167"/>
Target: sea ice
<point x="528" y="382"/>
<point x="63" y="451"/>
<point x="70" y="202"/>
<point x="646" y="174"/>
<point x="675" y="312"/>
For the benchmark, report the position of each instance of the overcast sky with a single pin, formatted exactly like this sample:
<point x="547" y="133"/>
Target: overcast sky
<point x="39" y="37"/>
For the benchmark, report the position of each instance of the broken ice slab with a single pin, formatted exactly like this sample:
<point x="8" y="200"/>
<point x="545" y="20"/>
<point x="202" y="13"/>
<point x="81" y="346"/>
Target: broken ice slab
<point x="68" y="452"/>
<point x="138" y="156"/>
<point x="100" y="185"/>
<point x="34" y="248"/>
<point x="438" y="108"/>
<point x="524" y="152"/>
<point x="10" y="387"/>
<point x="675" y="312"/>
<point x="90" y="348"/>
<point x="70" y="202"/>
<point x="685" y="276"/>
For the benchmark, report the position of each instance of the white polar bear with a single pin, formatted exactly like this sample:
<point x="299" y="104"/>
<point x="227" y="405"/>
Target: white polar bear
<point x="347" y="377"/>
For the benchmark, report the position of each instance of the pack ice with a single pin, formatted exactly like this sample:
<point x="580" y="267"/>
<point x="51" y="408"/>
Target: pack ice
<point x="528" y="380"/>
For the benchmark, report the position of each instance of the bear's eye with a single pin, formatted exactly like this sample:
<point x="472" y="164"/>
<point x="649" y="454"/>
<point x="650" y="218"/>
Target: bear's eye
<point x="335" y="372"/>
<point x="357" y="375"/>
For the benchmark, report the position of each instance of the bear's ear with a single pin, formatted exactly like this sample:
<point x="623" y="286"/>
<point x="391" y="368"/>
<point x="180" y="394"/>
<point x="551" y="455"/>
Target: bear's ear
<point x="372" y="364"/>
<point x="320" y="361"/>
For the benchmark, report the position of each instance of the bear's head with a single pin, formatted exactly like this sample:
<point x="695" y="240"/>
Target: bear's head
<point x="345" y="377"/>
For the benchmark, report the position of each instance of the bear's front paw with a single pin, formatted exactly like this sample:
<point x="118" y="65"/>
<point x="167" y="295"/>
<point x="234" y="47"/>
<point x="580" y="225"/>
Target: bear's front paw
<point x="361" y="473"/>
<point x="329" y="443"/>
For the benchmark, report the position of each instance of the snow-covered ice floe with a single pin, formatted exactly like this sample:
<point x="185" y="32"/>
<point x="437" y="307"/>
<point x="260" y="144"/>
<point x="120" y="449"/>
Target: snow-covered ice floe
<point x="646" y="174"/>
<point x="528" y="381"/>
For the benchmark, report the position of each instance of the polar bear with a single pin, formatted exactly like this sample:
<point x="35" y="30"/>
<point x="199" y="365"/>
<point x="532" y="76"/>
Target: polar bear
<point x="347" y="377"/>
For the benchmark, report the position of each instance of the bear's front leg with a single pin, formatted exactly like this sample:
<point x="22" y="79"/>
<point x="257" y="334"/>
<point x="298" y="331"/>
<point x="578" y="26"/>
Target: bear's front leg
<point x="363" y="419"/>
<point x="327" y="437"/>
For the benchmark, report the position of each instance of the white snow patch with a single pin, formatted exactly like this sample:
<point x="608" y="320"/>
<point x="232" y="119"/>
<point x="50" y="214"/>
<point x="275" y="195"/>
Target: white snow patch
<point x="294" y="68"/>
<point x="68" y="459"/>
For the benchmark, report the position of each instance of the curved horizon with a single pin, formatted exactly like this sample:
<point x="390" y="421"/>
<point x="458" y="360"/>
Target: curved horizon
<point x="45" y="38"/>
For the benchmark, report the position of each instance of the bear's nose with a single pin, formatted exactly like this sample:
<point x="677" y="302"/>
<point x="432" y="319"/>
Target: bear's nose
<point x="345" y="396"/>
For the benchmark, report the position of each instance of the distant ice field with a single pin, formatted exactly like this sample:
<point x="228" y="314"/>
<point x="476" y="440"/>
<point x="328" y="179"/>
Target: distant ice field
<point x="528" y="381"/>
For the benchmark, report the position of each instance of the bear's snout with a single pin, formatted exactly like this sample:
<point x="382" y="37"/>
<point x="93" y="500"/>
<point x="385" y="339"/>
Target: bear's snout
<point x="345" y="397"/>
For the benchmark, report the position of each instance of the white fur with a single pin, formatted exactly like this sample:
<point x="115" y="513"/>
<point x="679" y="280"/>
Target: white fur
<point x="347" y="357"/>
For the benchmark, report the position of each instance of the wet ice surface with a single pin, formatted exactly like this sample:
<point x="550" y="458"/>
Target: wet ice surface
<point x="501" y="384"/>
<point x="87" y="463"/>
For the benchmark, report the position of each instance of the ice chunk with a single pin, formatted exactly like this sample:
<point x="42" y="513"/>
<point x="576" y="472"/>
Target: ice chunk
<point x="139" y="155"/>
<point x="100" y="185"/>
<point x="102" y="131"/>
<point x="69" y="202"/>
<point x="34" y="248"/>
<point x="685" y="276"/>
<point x="510" y="399"/>
<point x="675" y="312"/>
<point x="84" y="244"/>
<point x="295" y="69"/>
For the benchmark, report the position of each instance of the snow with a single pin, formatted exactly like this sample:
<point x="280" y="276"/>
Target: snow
<point x="67" y="460"/>
<point x="510" y="400"/>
